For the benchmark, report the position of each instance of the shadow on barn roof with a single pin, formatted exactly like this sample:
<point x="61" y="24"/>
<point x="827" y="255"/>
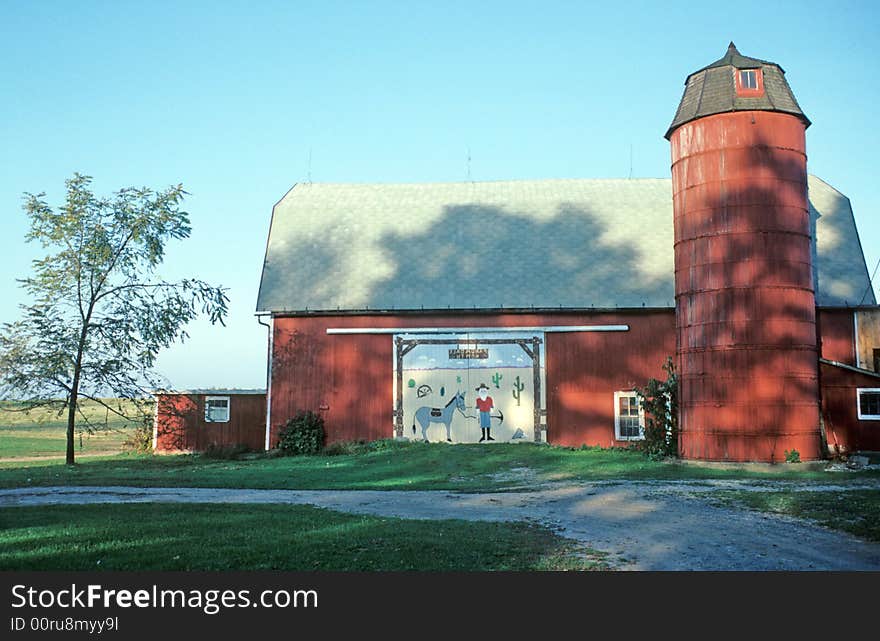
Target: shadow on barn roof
<point x="542" y="244"/>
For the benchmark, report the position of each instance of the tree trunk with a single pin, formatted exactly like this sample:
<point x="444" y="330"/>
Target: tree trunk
<point x="71" y="420"/>
<point x="74" y="391"/>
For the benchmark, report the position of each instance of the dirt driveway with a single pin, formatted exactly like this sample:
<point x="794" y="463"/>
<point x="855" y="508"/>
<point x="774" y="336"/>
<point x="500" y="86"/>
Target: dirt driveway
<point x="641" y="525"/>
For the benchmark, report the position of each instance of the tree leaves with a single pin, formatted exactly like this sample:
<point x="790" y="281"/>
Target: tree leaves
<point x="98" y="316"/>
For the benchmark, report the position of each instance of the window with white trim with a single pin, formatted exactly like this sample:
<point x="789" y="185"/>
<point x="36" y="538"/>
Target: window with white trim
<point x="748" y="79"/>
<point x="216" y="409"/>
<point x="629" y="417"/>
<point x="868" y="402"/>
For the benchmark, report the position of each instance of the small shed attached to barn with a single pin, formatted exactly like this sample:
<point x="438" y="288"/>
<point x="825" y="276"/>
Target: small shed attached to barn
<point x="194" y="420"/>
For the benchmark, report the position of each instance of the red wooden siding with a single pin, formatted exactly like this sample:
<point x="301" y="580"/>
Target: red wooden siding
<point x="348" y="378"/>
<point x="843" y="429"/>
<point x="180" y="422"/>
<point x="745" y="310"/>
<point x="836" y="335"/>
<point x="585" y="369"/>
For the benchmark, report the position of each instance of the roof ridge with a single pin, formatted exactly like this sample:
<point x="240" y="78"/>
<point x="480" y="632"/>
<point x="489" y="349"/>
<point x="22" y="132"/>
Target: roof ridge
<point x="477" y="182"/>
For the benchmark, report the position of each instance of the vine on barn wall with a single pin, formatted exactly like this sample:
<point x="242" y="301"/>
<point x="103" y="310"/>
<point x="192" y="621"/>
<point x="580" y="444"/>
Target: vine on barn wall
<point x="659" y="400"/>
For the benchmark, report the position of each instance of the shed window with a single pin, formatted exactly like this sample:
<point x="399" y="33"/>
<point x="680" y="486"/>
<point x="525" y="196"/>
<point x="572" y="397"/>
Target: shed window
<point x="869" y="403"/>
<point x="217" y="409"/>
<point x="629" y="418"/>
<point x="748" y="79"/>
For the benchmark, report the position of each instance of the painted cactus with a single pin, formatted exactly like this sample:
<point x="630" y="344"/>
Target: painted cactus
<point x="496" y="378"/>
<point x="518" y="387"/>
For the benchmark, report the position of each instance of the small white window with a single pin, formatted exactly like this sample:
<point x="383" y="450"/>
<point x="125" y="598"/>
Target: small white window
<point x="629" y="418"/>
<point x="216" y="409"/>
<point x="868" y="399"/>
<point x="748" y="79"/>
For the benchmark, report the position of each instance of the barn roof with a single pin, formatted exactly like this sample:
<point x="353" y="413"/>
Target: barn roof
<point x="543" y="244"/>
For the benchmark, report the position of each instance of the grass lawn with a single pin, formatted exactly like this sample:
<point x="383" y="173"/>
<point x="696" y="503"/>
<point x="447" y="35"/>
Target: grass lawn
<point x="42" y="432"/>
<point x="263" y="537"/>
<point x="396" y="465"/>
<point x="854" y="511"/>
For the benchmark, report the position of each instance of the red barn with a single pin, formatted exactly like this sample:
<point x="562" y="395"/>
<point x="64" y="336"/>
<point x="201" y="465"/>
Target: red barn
<point x="528" y="310"/>
<point x="193" y="421"/>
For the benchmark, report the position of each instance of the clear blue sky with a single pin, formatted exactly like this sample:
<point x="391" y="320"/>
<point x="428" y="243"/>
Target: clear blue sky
<point x="231" y="99"/>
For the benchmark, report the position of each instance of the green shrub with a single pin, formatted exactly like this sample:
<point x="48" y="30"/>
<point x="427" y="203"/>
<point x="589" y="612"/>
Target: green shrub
<point x="141" y="439"/>
<point x="303" y="434"/>
<point x="343" y="448"/>
<point x="793" y="456"/>
<point x="226" y="452"/>
<point x="659" y="399"/>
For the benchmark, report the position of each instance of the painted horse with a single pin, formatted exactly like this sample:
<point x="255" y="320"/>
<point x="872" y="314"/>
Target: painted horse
<point x="427" y="415"/>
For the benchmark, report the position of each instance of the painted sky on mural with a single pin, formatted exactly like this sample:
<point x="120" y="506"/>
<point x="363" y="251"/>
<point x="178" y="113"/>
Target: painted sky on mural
<point x="233" y="99"/>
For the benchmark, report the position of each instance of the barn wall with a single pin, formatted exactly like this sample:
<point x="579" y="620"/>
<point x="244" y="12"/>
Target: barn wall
<point x="836" y="341"/>
<point x="176" y="422"/>
<point x="585" y="369"/>
<point x="843" y="429"/>
<point x="348" y="378"/>
<point x="181" y="422"/>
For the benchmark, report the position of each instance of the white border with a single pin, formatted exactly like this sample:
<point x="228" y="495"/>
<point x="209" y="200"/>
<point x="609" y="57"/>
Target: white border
<point x="473" y="330"/>
<point x="219" y="398"/>
<point x="865" y="417"/>
<point x="617" y="435"/>
<point x="271" y="358"/>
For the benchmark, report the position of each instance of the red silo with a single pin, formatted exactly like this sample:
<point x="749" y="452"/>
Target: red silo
<point x="745" y="306"/>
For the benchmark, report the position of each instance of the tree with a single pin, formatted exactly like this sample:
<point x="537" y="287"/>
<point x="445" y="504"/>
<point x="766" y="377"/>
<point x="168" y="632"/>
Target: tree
<point x="99" y="313"/>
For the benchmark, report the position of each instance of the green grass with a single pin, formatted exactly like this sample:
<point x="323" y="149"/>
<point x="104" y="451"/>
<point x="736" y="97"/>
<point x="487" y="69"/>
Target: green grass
<point x="42" y="432"/>
<point x="28" y="443"/>
<point x="854" y="511"/>
<point x="277" y="537"/>
<point x="396" y="465"/>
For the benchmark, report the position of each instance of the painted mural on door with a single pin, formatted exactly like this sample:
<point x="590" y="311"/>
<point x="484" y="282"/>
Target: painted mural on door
<point x="469" y="388"/>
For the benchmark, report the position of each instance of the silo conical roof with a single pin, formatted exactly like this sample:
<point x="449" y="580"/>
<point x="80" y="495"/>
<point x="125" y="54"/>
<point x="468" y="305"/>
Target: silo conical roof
<point x="712" y="90"/>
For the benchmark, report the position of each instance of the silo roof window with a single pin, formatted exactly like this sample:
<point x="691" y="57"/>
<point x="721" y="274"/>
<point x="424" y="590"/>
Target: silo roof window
<point x="749" y="82"/>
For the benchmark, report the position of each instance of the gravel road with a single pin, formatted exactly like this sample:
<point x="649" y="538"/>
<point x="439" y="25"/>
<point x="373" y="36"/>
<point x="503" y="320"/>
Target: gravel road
<point x="640" y="525"/>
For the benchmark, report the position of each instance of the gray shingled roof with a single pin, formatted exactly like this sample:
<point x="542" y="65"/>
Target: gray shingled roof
<point x="546" y="244"/>
<point x="711" y="90"/>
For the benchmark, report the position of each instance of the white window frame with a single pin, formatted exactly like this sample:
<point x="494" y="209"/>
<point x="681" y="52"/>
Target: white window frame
<point x="742" y="76"/>
<point x="617" y="436"/>
<point x="217" y="398"/>
<point x="866" y="417"/>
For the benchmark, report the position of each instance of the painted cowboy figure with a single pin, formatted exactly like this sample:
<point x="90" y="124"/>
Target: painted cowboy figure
<point x="485" y="404"/>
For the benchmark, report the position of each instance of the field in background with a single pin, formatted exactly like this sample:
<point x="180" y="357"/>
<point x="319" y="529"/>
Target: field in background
<point x="41" y="432"/>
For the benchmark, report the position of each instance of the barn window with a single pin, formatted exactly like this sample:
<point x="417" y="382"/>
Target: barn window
<point x="748" y="79"/>
<point x="629" y="418"/>
<point x="869" y="403"/>
<point x="217" y="409"/>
